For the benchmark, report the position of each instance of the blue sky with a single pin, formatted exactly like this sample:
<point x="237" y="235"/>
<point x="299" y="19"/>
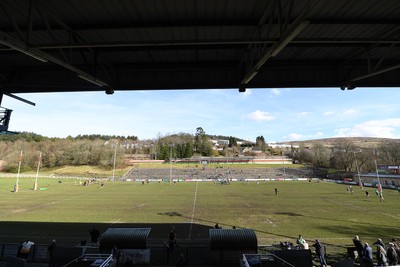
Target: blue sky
<point x="277" y="114"/>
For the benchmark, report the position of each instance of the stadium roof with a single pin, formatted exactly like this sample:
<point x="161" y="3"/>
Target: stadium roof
<point x="99" y="45"/>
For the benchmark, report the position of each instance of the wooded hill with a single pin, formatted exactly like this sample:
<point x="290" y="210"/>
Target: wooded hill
<point x="103" y="151"/>
<point x="363" y="142"/>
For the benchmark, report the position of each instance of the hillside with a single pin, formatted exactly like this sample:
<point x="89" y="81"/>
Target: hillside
<point x="358" y="141"/>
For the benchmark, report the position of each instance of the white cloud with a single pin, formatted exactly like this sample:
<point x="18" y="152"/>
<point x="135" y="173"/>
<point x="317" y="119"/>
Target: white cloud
<point x="260" y="116"/>
<point x="248" y="92"/>
<point x="275" y="91"/>
<point x="387" y="128"/>
<point x="303" y="114"/>
<point x="297" y="136"/>
<point x="293" y="137"/>
<point x="349" y="112"/>
<point x="341" y="113"/>
<point x="328" y="113"/>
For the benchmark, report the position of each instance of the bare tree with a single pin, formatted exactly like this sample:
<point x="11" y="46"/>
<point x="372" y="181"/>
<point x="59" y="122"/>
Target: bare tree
<point x="303" y="155"/>
<point x="363" y="161"/>
<point x="343" y="155"/>
<point x="320" y="155"/>
<point x="389" y="153"/>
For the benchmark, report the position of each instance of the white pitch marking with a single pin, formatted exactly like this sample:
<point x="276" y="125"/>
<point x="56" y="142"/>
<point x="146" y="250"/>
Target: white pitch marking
<point x="114" y="222"/>
<point x="36" y="207"/>
<point x="247" y="204"/>
<point x="193" y="210"/>
<point x="269" y="221"/>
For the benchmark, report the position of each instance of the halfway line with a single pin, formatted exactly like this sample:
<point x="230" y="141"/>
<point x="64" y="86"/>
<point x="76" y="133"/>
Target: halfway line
<point x="194" y="207"/>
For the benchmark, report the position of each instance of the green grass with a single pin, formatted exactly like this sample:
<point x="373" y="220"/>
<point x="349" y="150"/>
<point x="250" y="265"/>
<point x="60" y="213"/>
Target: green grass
<point x="83" y="171"/>
<point x="67" y="210"/>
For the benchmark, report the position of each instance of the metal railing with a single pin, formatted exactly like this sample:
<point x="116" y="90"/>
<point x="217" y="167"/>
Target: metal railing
<point x="264" y="259"/>
<point x="103" y="259"/>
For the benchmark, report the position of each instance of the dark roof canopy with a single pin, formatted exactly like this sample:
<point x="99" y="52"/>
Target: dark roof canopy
<point x="124" y="238"/>
<point x="104" y="45"/>
<point x="233" y="239"/>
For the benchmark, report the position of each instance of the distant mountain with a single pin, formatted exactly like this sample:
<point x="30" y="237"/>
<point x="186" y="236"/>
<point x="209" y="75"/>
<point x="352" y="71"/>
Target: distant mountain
<point x="223" y="137"/>
<point x="358" y="141"/>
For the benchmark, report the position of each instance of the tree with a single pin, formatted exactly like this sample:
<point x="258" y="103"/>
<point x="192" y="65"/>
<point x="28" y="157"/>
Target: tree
<point x="363" y="161"/>
<point x="198" y="138"/>
<point x="389" y="153"/>
<point x="343" y="155"/>
<point x="202" y="144"/>
<point x="232" y="141"/>
<point x="261" y="143"/>
<point x="320" y="155"/>
<point x="303" y="155"/>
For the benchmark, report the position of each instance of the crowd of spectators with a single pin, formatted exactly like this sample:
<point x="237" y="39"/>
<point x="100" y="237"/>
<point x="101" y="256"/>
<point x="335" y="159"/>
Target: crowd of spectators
<point x="385" y="254"/>
<point x="222" y="173"/>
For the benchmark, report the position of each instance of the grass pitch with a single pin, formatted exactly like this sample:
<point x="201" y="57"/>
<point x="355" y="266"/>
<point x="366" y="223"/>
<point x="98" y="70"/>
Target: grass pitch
<point x="65" y="210"/>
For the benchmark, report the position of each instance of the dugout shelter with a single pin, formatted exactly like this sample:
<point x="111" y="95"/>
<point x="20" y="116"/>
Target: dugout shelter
<point x="227" y="246"/>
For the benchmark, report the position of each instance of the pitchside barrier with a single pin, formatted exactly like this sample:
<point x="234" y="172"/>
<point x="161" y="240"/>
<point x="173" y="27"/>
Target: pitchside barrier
<point x="195" y="255"/>
<point x="224" y="248"/>
<point x="38" y="252"/>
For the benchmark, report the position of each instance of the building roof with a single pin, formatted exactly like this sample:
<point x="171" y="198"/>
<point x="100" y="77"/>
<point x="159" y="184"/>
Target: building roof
<point x="92" y="45"/>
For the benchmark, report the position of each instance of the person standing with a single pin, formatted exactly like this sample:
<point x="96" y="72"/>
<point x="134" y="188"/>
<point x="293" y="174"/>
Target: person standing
<point x="94" y="235"/>
<point x="379" y="242"/>
<point x="392" y="256"/>
<point x="367" y="256"/>
<point x="301" y="241"/>
<point x="172" y="239"/>
<point x="358" y="245"/>
<point x="320" y="251"/>
<point x="381" y="256"/>
<point x="50" y="251"/>
<point x="116" y="255"/>
<point x="26" y="249"/>
<point x="396" y="246"/>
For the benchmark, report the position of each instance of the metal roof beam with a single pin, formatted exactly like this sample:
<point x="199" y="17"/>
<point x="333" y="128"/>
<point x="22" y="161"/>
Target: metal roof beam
<point x="20" y="99"/>
<point x="109" y="26"/>
<point x="371" y="74"/>
<point x="44" y="57"/>
<point x="15" y="29"/>
<point x="288" y="36"/>
<point x="298" y="42"/>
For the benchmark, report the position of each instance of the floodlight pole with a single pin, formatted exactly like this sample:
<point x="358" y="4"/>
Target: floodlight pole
<point x="170" y="163"/>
